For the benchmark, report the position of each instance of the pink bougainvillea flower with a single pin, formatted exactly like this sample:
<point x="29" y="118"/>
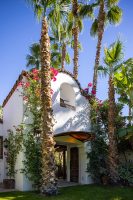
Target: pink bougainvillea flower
<point x="93" y="92"/>
<point x="86" y="90"/>
<point x="35" y="71"/>
<point x="52" y="92"/>
<point x="54" y="79"/>
<point x="27" y="84"/>
<point x="89" y="84"/>
<point x="36" y="78"/>
<point x="54" y="71"/>
<point x="20" y="84"/>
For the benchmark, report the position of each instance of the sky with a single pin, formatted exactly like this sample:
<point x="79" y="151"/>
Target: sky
<point x="19" y="29"/>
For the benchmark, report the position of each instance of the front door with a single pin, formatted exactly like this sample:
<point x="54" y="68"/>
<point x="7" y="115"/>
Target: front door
<point x="74" y="164"/>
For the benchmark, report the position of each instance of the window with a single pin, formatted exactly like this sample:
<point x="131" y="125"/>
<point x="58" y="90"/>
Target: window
<point x="1" y="147"/>
<point x="67" y="96"/>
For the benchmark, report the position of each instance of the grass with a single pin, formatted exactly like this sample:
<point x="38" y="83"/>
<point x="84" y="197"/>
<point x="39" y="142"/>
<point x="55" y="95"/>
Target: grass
<point x="76" y="193"/>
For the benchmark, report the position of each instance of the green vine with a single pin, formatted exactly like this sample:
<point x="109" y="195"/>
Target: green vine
<point x="14" y="146"/>
<point x="32" y="161"/>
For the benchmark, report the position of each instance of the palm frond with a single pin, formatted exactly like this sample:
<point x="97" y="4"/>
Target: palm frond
<point x="103" y="71"/>
<point x="35" y="49"/>
<point x="55" y="54"/>
<point x="37" y="7"/>
<point x="80" y="24"/>
<point x="114" y="54"/>
<point x="114" y="15"/>
<point x="94" y="28"/>
<point x="126" y="64"/>
<point x="33" y="59"/>
<point x="70" y="26"/>
<point x="67" y="58"/>
<point x="30" y="60"/>
<point x="86" y="11"/>
<point x="54" y="47"/>
<point x="111" y="3"/>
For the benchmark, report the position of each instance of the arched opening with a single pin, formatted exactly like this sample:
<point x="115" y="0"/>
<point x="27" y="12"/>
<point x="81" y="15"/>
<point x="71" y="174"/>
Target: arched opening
<point x="67" y="96"/>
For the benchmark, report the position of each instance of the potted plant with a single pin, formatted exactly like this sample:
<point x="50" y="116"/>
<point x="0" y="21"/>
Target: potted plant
<point x="104" y="177"/>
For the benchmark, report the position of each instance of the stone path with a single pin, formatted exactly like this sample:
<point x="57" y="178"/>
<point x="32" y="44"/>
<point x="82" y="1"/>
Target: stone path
<point x="64" y="183"/>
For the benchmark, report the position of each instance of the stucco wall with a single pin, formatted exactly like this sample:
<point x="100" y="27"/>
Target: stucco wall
<point x="67" y="119"/>
<point x="13" y="116"/>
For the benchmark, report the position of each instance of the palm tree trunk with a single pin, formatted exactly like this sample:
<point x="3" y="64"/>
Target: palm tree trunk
<point x="63" y="56"/>
<point x="101" y="21"/>
<point x="113" y="150"/>
<point x="76" y="36"/>
<point x="49" y="185"/>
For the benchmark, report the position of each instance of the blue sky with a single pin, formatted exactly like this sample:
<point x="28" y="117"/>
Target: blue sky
<point x="19" y="29"/>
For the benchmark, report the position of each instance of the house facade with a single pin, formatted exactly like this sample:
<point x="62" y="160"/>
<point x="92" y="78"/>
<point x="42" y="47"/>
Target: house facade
<point x="72" y="131"/>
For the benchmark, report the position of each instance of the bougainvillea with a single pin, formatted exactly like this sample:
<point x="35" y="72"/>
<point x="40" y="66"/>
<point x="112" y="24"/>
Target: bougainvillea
<point x="32" y="100"/>
<point x="95" y="102"/>
<point x="32" y="85"/>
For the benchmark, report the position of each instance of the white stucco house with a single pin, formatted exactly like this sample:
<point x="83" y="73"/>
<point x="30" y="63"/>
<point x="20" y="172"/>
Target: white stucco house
<point x="71" y="130"/>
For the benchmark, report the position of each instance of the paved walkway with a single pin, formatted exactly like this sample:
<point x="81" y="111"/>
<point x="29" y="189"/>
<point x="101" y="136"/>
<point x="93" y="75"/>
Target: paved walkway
<point x="64" y="183"/>
<point x="61" y="183"/>
<point x="7" y="190"/>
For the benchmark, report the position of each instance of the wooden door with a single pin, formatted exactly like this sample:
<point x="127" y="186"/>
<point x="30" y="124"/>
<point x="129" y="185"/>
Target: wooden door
<point x="74" y="164"/>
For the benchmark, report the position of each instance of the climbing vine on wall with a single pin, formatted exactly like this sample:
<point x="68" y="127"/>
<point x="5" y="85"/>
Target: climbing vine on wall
<point x="32" y="161"/>
<point x="26" y="137"/>
<point x="32" y="143"/>
<point x="14" y="146"/>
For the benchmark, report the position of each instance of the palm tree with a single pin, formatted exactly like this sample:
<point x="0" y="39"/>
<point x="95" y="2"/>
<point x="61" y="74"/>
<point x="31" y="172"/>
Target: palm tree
<point x="60" y="43"/>
<point x="44" y="10"/>
<point x="123" y="82"/>
<point x="33" y="59"/>
<point x="75" y="35"/>
<point x="75" y="26"/>
<point x="109" y="12"/>
<point x="113" y="56"/>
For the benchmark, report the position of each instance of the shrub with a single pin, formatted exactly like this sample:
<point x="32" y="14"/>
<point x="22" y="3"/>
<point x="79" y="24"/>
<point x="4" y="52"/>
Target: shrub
<point x="126" y="173"/>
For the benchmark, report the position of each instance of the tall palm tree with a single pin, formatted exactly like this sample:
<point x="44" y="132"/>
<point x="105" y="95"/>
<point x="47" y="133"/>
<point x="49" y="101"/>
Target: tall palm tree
<point x="75" y="35"/>
<point x="75" y="26"/>
<point x="60" y="43"/>
<point x="44" y="10"/>
<point x="109" y="12"/>
<point x="113" y="56"/>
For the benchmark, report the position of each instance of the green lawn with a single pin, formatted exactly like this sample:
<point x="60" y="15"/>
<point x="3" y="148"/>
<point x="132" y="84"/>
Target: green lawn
<point x="76" y="193"/>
